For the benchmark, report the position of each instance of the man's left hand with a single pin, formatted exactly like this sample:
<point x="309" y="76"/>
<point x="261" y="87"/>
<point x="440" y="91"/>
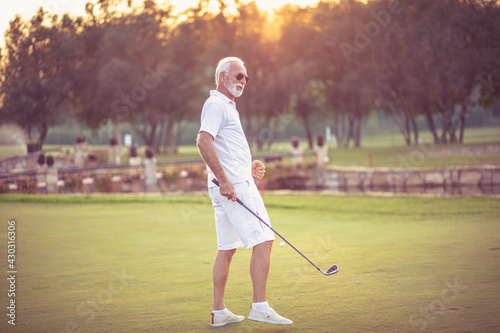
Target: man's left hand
<point x="258" y="169"/>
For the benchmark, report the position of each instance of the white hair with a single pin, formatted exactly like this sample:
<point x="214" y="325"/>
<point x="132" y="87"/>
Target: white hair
<point x="223" y="66"/>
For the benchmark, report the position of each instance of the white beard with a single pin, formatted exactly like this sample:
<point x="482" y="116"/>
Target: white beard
<point x="232" y="88"/>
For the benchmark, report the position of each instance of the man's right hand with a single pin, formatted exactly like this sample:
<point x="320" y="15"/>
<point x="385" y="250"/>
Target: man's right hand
<point x="206" y="147"/>
<point x="227" y="190"/>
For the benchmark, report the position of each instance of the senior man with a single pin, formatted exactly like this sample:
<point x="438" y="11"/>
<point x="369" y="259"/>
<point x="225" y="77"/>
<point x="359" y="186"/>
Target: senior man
<point x="224" y="148"/>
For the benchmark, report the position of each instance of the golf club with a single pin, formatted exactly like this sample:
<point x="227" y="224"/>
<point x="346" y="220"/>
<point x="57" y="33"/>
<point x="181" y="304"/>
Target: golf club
<point x="330" y="271"/>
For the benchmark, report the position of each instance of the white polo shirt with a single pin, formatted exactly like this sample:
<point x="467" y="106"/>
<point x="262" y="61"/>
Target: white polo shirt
<point x="221" y="120"/>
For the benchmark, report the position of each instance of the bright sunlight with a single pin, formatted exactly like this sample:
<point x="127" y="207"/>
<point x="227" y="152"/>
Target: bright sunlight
<point x="28" y="8"/>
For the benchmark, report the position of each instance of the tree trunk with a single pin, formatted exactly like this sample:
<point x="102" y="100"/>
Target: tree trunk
<point x="462" y="127"/>
<point x="453" y="134"/>
<point x="403" y="126"/>
<point x="339" y="126"/>
<point x="444" y="122"/>
<point x="309" y="135"/>
<point x="350" y="132"/>
<point x="407" y="131"/>
<point x="115" y="123"/>
<point x="415" y="130"/>
<point x="357" y="131"/>
<point x="454" y="126"/>
<point x="117" y="132"/>
<point x="43" y="129"/>
<point x="430" y="124"/>
<point x="161" y="139"/>
<point x="303" y="113"/>
<point x="168" y="135"/>
<point x="27" y="134"/>
<point x="400" y="118"/>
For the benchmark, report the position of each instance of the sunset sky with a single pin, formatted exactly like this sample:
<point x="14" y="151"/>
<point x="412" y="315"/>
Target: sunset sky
<point x="27" y="8"/>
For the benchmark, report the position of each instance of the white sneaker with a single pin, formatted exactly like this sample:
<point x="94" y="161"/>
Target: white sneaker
<point x="272" y="317"/>
<point x="217" y="321"/>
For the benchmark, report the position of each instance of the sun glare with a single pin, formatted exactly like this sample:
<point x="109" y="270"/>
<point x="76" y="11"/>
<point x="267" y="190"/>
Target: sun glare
<point x="76" y="7"/>
<point x="267" y="5"/>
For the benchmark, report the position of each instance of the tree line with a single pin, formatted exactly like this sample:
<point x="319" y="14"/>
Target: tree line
<point x="337" y="61"/>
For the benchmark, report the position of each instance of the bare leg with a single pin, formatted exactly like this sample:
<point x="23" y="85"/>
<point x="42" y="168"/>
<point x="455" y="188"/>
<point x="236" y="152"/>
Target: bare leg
<point x="259" y="269"/>
<point x="220" y="273"/>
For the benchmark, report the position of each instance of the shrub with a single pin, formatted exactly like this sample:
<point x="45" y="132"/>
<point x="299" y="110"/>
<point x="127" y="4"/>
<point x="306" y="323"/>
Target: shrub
<point x="73" y="182"/>
<point x="26" y="185"/>
<point x="170" y="175"/>
<point x="104" y="183"/>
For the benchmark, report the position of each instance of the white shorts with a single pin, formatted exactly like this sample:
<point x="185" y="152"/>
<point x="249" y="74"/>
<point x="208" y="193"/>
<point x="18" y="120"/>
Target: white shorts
<point x="236" y="226"/>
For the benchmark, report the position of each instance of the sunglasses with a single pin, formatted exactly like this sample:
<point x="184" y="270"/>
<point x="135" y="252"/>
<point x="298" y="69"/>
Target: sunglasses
<point x="240" y="76"/>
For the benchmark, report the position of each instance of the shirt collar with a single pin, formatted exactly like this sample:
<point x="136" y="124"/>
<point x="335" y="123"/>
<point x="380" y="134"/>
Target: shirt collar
<point x="223" y="97"/>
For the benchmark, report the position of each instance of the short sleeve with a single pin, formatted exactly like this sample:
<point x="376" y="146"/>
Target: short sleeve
<point x="212" y="119"/>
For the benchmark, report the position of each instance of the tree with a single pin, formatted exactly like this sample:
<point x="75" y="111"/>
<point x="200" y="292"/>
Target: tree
<point x="456" y="64"/>
<point x="428" y="62"/>
<point x="139" y="65"/>
<point x="111" y="71"/>
<point x="297" y="61"/>
<point x="36" y="84"/>
<point x="184" y="58"/>
<point x="397" y="66"/>
<point x="263" y="105"/>
<point x="344" y="64"/>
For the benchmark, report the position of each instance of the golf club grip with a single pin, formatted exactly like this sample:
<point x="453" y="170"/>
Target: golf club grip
<point x="216" y="182"/>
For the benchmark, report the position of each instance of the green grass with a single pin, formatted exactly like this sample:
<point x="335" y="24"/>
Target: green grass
<point x="387" y="150"/>
<point x="10" y="150"/>
<point x="140" y="264"/>
<point x="407" y="157"/>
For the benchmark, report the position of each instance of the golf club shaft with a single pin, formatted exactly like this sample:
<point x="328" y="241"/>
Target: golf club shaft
<point x="216" y="182"/>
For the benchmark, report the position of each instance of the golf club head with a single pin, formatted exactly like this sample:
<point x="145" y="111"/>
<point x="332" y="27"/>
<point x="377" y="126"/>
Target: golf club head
<point x="332" y="270"/>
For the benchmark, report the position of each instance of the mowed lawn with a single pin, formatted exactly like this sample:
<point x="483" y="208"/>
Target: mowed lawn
<point x="130" y="264"/>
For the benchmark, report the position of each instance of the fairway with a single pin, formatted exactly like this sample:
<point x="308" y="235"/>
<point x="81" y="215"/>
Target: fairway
<point x="139" y="264"/>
